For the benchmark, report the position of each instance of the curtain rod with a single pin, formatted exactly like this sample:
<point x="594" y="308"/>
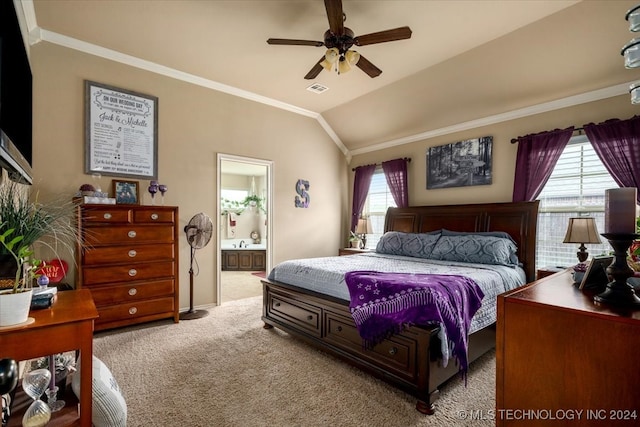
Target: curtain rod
<point x="579" y="130"/>
<point x="408" y="159"/>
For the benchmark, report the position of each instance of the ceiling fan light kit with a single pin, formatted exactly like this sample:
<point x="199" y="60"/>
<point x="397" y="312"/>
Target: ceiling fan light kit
<point x="339" y="39"/>
<point x="342" y="63"/>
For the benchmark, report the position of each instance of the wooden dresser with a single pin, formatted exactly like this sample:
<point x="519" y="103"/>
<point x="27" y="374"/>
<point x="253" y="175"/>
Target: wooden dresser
<point x="129" y="262"/>
<point x="559" y="353"/>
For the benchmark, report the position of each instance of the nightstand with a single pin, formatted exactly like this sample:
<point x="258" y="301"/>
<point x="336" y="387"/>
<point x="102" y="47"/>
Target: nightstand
<point x="548" y="271"/>
<point x="352" y="251"/>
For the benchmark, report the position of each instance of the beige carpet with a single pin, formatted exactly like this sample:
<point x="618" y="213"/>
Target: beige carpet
<point x="235" y="285"/>
<point x="226" y="370"/>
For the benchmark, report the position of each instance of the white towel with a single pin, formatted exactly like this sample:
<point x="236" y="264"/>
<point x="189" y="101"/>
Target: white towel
<point x="231" y="225"/>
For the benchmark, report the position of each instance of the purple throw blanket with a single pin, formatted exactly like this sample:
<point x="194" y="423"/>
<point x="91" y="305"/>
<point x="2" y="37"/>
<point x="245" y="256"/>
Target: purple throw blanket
<point x="383" y="304"/>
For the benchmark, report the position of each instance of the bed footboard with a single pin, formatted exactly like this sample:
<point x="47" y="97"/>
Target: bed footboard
<point x="410" y="360"/>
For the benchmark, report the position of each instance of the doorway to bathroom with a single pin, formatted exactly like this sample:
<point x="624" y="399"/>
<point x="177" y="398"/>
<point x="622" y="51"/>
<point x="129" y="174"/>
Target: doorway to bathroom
<point x="243" y="244"/>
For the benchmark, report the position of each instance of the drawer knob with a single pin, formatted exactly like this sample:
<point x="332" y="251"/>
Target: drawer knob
<point x="133" y="310"/>
<point x="133" y="291"/>
<point x="309" y="317"/>
<point x="277" y="304"/>
<point x="106" y="215"/>
<point x="154" y="216"/>
<point x="132" y="234"/>
<point x="339" y="328"/>
<point x="133" y="272"/>
<point x="132" y="253"/>
<point x="393" y="350"/>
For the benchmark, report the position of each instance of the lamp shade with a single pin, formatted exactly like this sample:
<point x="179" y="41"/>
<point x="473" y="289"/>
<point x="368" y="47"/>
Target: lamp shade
<point x="343" y="65"/>
<point x="582" y="230"/>
<point x="352" y="56"/>
<point x="364" y="226"/>
<point x="330" y="58"/>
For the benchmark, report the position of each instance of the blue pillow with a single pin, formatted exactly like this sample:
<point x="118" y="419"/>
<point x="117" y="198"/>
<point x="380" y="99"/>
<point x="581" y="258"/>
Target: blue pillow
<point x="502" y="234"/>
<point x="418" y="245"/>
<point x="476" y="248"/>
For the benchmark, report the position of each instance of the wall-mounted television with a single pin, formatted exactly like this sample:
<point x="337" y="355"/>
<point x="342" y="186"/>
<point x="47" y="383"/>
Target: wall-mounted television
<point x="15" y="98"/>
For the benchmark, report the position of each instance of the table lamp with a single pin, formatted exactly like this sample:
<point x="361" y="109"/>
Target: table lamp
<point x="362" y="229"/>
<point x="582" y="230"/>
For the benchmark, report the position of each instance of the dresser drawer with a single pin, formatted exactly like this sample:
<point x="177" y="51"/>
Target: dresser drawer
<point x="106" y="215"/>
<point x="134" y="310"/>
<point x="127" y="273"/>
<point x="124" y="235"/>
<point x="396" y="353"/>
<point x="295" y="312"/>
<point x="151" y="215"/>
<point x="124" y="293"/>
<point x="127" y="254"/>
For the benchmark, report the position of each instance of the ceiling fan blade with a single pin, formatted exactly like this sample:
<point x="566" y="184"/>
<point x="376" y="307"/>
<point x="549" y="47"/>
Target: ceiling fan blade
<point x="366" y="66"/>
<point x="313" y="73"/>
<point x="335" y="16"/>
<point x="295" y="42"/>
<point x="383" y="36"/>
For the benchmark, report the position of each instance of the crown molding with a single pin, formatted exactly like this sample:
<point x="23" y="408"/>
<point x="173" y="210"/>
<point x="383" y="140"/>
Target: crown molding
<point x="545" y="107"/>
<point x="112" y="55"/>
<point x="27" y="16"/>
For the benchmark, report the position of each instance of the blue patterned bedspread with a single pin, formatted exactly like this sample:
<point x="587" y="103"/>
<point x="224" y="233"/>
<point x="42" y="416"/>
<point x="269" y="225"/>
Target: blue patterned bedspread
<point x="327" y="276"/>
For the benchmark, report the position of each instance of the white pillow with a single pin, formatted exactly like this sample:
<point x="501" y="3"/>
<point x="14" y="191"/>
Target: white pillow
<point x="109" y="407"/>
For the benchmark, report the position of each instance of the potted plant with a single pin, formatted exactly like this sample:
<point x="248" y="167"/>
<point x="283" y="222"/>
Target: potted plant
<point x="15" y="302"/>
<point x="238" y="207"/>
<point x="23" y="222"/>
<point x="354" y="240"/>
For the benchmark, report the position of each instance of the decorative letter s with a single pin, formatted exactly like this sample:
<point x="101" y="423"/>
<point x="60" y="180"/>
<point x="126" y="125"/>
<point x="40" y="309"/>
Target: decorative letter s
<point x="302" y="201"/>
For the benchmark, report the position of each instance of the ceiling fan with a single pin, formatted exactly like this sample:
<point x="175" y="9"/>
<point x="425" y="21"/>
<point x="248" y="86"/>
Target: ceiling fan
<point x="339" y="39"/>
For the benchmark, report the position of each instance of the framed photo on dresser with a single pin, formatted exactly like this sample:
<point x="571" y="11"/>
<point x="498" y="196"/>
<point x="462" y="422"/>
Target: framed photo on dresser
<point x="596" y="275"/>
<point x="126" y="192"/>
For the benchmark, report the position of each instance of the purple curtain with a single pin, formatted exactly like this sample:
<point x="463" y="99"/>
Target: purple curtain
<point x="536" y="158"/>
<point x="361" y="183"/>
<point x="617" y="143"/>
<point x="396" y="173"/>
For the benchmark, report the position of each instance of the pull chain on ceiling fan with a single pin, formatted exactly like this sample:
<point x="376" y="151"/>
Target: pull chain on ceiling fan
<point x="339" y="39"/>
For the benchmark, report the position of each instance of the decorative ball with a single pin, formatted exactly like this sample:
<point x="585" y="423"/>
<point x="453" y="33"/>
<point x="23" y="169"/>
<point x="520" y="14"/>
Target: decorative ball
<point x="43" y="280"/>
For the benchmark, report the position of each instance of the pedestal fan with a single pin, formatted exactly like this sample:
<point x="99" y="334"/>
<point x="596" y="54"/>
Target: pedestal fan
<point x="198" y="233"/>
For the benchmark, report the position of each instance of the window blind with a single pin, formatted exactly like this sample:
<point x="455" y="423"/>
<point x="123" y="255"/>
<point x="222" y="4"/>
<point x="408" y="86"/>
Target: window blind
<point x="378" y="200"/>
<point x="576" y="188"/>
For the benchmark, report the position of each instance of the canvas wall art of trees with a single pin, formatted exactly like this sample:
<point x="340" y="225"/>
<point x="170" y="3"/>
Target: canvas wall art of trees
<point x="460" y="164"/>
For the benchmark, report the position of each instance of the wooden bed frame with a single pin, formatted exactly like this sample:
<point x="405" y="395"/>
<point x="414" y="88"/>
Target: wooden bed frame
<point x="410" y="360"/>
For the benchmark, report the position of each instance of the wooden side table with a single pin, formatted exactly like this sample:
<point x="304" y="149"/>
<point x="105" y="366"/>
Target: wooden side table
<point x="548" y="271"/>
<point x="66" y="326"/>
<point x="352" y="251"/>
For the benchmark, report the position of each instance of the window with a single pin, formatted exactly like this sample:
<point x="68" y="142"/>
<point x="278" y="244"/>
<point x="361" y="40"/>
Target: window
<point x="233" y="195"/>
<point x="576" y="188"/>
<point x="378" y="200"/>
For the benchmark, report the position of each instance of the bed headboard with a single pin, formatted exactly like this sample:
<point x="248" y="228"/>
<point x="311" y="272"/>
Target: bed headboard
<point x="518" y="219"/>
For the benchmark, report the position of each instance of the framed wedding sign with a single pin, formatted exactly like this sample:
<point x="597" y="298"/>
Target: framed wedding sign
<point x="121" y="132"/>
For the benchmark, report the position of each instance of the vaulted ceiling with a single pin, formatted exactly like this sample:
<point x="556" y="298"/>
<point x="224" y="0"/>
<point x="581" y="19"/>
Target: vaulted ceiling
<point x="467" y="62"/>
